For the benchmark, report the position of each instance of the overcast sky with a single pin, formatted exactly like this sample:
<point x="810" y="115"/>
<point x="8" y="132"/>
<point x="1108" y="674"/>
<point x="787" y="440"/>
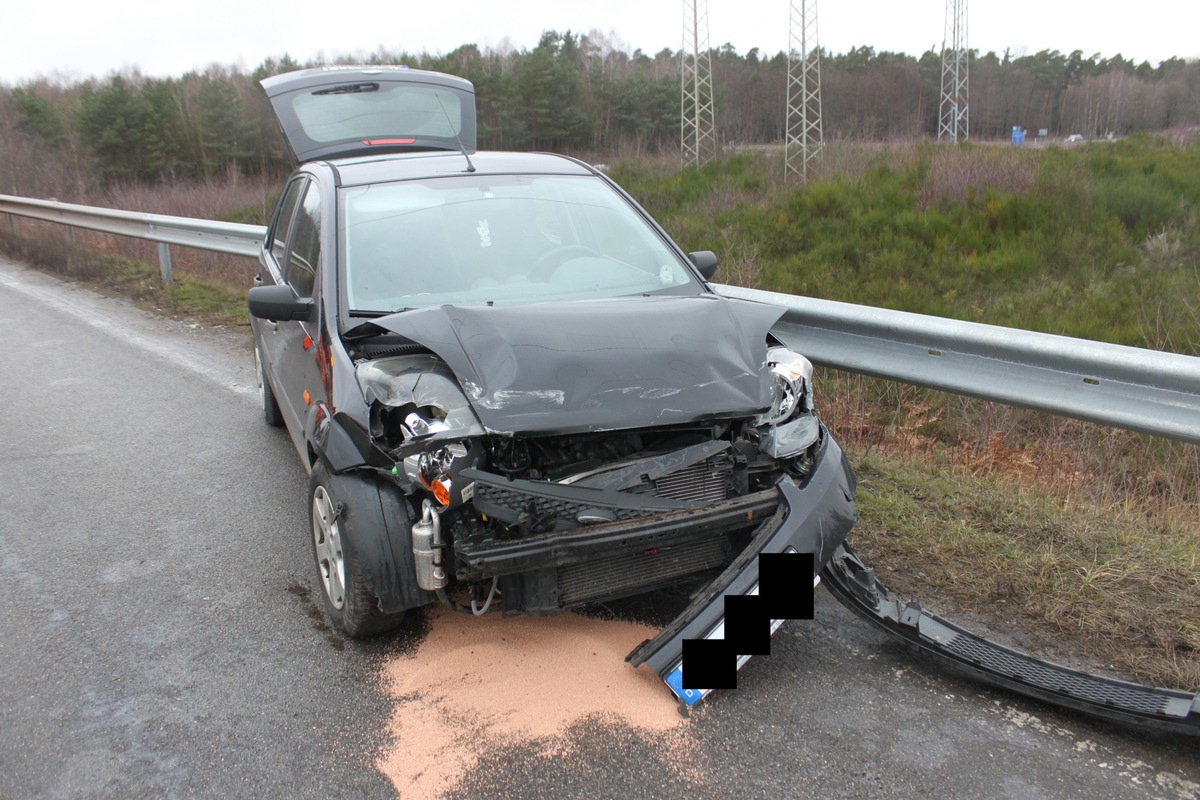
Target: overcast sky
<point x="163" y="38"/>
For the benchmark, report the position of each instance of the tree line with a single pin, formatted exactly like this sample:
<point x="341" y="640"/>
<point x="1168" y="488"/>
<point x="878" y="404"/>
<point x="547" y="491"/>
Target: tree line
<point x="571" y="93"/>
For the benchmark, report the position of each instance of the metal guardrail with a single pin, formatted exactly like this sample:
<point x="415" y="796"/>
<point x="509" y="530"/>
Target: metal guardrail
<point x="222" y="237"/>
<point x="1126" y="387"/>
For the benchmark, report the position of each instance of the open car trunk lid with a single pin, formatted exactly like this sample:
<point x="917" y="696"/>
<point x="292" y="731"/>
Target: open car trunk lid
<point x="341" y="112"/>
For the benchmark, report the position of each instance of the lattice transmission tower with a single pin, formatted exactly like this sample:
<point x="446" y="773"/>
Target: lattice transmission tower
<point x="698" y="127"/>
<point x="804" y="139"/>
<point x="954" y="118"/>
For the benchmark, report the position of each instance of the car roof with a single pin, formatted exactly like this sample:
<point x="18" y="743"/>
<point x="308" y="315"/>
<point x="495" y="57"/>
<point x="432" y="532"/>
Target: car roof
<point x="413" y="166"/>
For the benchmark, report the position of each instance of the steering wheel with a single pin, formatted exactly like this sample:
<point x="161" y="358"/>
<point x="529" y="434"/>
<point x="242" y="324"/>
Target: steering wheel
<point x="545" y="265"/>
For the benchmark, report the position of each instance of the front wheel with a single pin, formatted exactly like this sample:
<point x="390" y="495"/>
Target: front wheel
<point x="348" y="603"/>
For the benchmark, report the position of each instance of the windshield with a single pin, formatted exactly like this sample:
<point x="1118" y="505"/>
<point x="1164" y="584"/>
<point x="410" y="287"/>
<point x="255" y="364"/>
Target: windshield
<point x="507" y="239"/>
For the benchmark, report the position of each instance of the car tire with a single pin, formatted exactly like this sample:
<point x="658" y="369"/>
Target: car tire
<point x="266" y="395"/>
<point x="348" y="602"/>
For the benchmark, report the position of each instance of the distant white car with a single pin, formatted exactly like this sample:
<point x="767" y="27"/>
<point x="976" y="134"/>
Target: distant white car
<point x="1073" y="138"/>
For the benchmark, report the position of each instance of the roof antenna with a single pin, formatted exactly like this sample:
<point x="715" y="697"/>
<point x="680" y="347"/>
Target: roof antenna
<point x="461" y="147"/>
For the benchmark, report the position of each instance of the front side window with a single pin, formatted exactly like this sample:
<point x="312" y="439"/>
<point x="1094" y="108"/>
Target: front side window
<point x="281" y="225"/>
<point x="305" y="253"/>
<point x="501" y="239"/>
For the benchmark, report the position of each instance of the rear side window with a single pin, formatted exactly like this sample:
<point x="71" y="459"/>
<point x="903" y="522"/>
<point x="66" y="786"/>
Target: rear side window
<point x="305" y="253"/>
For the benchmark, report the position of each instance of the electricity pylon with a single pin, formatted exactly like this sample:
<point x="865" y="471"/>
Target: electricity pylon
<point x="954" y="118"/>
<point x="804" y="140"/>
<point x="697" y="128"/>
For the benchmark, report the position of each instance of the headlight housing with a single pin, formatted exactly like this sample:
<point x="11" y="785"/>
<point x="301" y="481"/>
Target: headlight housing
<point x="415" y="398"/>
<point x="420" y="415"/>
<point x="791" y="385"/>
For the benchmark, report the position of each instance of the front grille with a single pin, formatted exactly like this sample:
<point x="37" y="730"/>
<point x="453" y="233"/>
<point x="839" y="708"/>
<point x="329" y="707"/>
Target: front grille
<point x="507" y="503"/>
<point x="627" y="574"/>
<point x="699" y="483"/>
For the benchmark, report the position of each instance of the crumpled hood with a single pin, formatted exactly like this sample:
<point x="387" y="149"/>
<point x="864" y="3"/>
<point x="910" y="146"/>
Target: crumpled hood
<point x="603" y="364"/>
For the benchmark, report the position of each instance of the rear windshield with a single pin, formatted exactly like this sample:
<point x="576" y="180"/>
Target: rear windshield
<point x="378" y="110"/>
<point x="469" y="240"/>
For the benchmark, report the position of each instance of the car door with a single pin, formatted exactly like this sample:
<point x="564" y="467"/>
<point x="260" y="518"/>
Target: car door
<point x="270" y="271"/>
<point x="289" y="347"/>
<point x="297" y="341"/>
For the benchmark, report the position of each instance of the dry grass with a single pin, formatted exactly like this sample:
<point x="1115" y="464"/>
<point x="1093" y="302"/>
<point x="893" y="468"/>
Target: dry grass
<point x="854" y="160"/>
<point x="236" y="201"/>
<point x="241" y="200"/>
<point x="188" y="297"/>
<point x="1081" y="537"/>
<point x="962" y="174"/>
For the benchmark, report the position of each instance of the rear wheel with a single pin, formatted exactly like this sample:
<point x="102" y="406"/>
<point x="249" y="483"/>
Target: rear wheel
<point x="266" y="395"/>
<point x="348" y="603"/>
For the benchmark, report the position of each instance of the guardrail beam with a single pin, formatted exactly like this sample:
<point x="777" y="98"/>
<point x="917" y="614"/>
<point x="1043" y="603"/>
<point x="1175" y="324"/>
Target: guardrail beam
<point x="223" y="237"/>
<point x="1127" y="387"/>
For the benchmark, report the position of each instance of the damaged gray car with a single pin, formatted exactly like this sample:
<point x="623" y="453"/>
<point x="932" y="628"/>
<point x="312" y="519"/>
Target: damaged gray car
<point x="510" y="388"/>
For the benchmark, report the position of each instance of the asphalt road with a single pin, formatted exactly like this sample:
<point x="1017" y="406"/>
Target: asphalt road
<point x="159" y="637"/>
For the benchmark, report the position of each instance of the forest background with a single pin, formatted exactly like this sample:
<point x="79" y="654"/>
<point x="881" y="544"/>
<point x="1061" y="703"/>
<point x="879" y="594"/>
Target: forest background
<point x="575" y="94"/>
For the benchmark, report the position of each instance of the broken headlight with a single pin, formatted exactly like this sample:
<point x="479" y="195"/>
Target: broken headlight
<point x="791" y="385"/>
<point x="420" y="415"/>
<point x="415" y="398"/>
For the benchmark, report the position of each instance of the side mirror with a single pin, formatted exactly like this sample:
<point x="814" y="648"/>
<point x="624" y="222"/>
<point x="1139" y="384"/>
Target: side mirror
<point x="705" y="261"/>
<point x="279" y="302"/>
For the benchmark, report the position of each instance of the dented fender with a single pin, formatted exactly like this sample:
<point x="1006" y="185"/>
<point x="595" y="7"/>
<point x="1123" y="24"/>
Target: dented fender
<point x="342" y="443"/>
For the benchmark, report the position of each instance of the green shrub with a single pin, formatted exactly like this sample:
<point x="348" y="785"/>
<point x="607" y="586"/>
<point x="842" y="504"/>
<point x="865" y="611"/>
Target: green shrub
<point x="1100" y="242"/>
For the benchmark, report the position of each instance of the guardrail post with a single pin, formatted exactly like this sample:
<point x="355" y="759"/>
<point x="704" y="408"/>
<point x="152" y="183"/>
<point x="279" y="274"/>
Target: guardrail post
<point x="70" y="235"/>
<point x="164" y="261"/>
<point x="12" y="230"/>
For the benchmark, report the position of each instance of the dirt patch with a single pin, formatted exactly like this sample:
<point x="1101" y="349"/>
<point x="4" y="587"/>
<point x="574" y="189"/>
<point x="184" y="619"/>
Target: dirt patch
<point x="491" y="682"/>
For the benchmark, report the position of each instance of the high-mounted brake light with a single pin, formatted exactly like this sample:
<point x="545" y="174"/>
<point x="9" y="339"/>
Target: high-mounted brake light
<point x="388" y="141"/>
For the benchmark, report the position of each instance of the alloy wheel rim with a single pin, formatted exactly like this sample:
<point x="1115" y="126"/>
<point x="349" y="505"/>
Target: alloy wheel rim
<point x="327" y="538"/>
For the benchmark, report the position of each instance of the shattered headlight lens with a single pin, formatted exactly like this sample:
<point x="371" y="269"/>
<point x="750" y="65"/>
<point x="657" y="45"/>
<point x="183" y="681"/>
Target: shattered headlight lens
<point x="791" y="385"/>
<point x="420" y="394"/>
<point x="421" y="416"/>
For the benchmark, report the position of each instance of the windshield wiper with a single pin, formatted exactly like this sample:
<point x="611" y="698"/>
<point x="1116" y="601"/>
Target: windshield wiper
<point x="349" y="88"/>
<point x="365" y="329"/>
<point x="359" y="312"/>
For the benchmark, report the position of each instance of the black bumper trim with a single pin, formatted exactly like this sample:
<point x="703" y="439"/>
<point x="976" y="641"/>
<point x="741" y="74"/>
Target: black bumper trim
<point x="813" y="518"/>
<point x="853" y="583"/>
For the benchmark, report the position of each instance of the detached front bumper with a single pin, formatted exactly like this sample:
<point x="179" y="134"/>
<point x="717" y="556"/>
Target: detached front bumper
<point x="813" y="517"/>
